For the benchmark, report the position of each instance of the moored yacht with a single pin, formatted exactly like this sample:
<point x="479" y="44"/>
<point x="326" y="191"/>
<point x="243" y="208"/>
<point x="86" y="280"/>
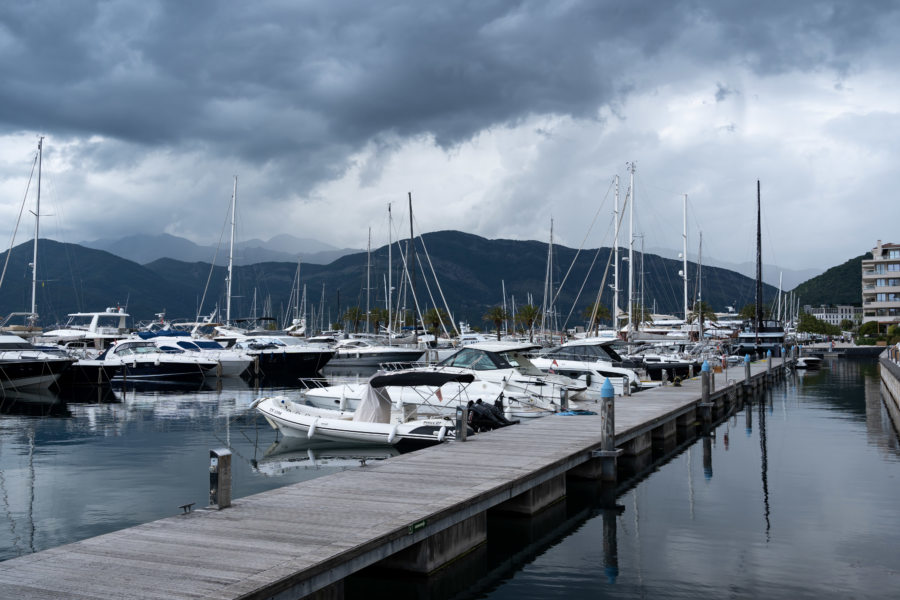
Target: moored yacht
<point x="22" y="366"/>
<point x="140" y="360"/>
<point x="97" y="329"/>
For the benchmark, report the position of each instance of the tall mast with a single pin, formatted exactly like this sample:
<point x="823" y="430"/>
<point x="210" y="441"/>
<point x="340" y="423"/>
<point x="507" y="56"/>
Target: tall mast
<point x="759" y="309"/>
<point x="230" y="256"/>
<point x="389" y="288"/>
<point x="411" y="255"/>
<point x="700" y="288"/>
<point x="37" y="231"/>
<point x="631" y="257"/>
<point x="684" y="274"/>
<point x="616" y="268"/>
<point x="368" y="269"/>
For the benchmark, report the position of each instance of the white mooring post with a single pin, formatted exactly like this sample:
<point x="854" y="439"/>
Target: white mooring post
<point x="705" y="405"/>
<point x="607" y="453"/>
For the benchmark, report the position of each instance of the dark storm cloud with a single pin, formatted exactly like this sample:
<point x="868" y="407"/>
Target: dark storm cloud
<point x="302" y="85"/>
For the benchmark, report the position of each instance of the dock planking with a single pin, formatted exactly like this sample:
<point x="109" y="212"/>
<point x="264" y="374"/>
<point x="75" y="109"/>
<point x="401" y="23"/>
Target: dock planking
<point x="295" y="540"/>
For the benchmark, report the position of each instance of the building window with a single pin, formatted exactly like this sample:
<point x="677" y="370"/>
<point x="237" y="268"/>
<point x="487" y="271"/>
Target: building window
<point x="894" y="254"/>
<point x="880" y="282"/>
<point x="894" y="267"/>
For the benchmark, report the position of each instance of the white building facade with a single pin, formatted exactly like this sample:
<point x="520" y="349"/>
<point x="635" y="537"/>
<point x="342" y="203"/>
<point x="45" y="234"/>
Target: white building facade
<point x="881" y="285"/>
<point x="833" y="315"/>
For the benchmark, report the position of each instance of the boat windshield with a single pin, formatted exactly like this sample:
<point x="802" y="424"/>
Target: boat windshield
<point x="208" y="345"/>
<point x="582" y="352"/>
<point x="137" y="348"/>
<point x="479" y="360"/>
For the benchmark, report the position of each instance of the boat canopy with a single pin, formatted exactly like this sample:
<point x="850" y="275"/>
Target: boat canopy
<point x="415" y="378"/>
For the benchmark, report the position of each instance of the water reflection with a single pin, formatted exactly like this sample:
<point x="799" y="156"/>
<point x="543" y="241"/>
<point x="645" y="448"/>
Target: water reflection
<point x="733" y="535"/>
<point x="290" y="453"/>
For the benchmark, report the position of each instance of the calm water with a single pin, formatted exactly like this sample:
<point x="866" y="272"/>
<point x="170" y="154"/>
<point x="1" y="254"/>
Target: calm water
<point x="797" y="497"/>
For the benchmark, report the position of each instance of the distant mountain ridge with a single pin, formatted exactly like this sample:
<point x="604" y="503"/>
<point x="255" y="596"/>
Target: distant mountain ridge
<point x="790" y="278"/>
<point x="145" y="248"/>
<point x="838" y="285"/>
<point x="472" y="273"/>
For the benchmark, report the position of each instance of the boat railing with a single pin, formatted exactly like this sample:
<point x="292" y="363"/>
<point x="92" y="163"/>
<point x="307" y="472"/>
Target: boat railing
<point x="314" y="383"/>
<point x="404" y="365"/>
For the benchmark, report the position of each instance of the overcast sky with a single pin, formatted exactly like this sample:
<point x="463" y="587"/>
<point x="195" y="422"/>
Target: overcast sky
<point x="497" y="116"/>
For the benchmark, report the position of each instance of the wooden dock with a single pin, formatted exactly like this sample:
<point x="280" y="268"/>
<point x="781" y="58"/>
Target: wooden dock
<point x="415" y="511"/>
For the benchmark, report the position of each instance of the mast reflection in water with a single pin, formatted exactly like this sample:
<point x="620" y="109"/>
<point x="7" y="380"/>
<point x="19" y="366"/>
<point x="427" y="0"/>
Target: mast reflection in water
<point x="803" y="505"/>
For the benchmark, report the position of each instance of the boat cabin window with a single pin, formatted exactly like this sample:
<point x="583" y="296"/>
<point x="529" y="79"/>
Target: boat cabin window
<point x="23" y="345"/>
<point x="188" y="345"/>
<point x="171" y="350"/>
<point x="479" y="360"/>
<point x="136" y="348"/>
<point x="208" y="345"/>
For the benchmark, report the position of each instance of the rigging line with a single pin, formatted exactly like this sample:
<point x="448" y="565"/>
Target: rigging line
<point x="584" y="281"/>
<point x="409" y="280"/>
<point x="431" y="296"/>
<point x="211" y="268"/>
<point x="438" y="284"/>
<point x="583" y="241"/>
<point x="603" y="282"/>
<point x="18" y="220"/>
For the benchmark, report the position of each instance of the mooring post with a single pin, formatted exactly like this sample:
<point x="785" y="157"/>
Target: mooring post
<point x="747" y="369"/>
<point x="564" y="399"/>
<point x="220" y="478"/>
<point x="462" y="423"/>
<point x="768" y="366"/>
<point x="607" y="453"/>
<point x="626" y="386"/>
<point x="664" y="377"/>
<point x="705" y="405"/>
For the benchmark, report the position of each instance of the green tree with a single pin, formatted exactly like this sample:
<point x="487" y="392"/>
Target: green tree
<point x="869" y="329"/>
<point x="749" y="312"/>
<point x="434" y="317"/>
<point x="353" y="316"/>
<point x="641" y="314"/>
<point x="704" y="313"/>
<point x="603" y="314"/>
<point x="529" y="315"/>
<point x="496" y="315"/>
<point x="846" y="325"/>
<point x="810" y="324"/>
<point x="377" y="316"/>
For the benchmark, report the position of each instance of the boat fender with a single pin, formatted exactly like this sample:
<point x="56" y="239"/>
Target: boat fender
<point x="312" y="428"/>
<point x="393" y="434"/>
<point x="442" y="432"/>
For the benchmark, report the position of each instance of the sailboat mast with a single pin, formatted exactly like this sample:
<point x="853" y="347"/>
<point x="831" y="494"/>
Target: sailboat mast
<point x="389" y="288"/>
<point x="37" y="231"/>
<point x="411" y="255"/>
<point x="616" y="268"/>
<point x="684" y="274"/>
<point x="230" y="257"/>
<point x="631" y="257"/>
<point x="759" y="308"/>
<point x="368" y="270"/>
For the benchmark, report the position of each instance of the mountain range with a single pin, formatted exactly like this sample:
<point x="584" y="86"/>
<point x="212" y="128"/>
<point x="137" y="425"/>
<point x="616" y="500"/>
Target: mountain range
<point x="469" y="271"/>
<point x="145" y="248"/>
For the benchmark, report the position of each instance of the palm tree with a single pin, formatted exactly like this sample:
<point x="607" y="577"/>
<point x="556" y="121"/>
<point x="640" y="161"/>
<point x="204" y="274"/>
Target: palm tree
<point x="353" y="316"/>
<point x="528" y="316"/>
<point x="496" y="315"/>
<point x="641" y="315"/>
<point x="703" y="312"/>
<point x="434" y="317"/>
<point x="603" y="314"/>
<point x="378" y="316"/>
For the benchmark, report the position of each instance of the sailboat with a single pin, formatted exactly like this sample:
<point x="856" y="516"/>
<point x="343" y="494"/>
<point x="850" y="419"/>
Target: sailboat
<point x="22" y="365"/>
<point x="760" y="335"/>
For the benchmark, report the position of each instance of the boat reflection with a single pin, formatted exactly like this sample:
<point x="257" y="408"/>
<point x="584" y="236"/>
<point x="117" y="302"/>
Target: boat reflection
<point x="37" y="403"/>
<point x="289" y="454"/>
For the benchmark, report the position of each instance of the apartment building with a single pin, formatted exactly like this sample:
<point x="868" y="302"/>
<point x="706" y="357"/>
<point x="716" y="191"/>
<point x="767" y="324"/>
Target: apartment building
<point x="881" y="285"/>
<point x="835" y="314"/>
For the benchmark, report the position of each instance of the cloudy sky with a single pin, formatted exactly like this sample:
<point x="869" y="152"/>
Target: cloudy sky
<point x="497" y="116"/>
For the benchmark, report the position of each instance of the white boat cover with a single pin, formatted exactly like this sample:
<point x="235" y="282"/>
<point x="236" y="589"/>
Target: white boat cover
<point x="374" y="407"/>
